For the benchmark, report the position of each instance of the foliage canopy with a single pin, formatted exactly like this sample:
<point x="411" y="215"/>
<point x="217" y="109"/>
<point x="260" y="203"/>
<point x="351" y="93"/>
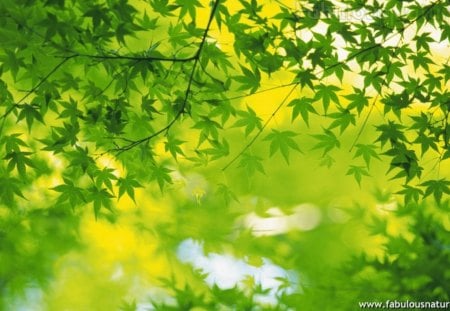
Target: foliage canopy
<point x="112" y="97"/>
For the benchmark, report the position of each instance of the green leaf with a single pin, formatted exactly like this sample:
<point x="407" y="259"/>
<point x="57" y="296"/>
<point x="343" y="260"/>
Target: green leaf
<point x="104" y="177"/>
<point x="224" y="110"/>
<point x="391" y="132"/>
<point x="11" y="187"/>
<point x="374" y="79"/>
<point x="421" y="59"/>
<point x="148" y="23"/>
<point x="163" y="7"/>
<point x="358" y="172"/>
<point x="378" y="226"/>
<point x="327" y="141"/>
<point x="11" y="61"/>
<point x="148" y="105"/>
<point x="250" y="80"/>
<point x="302" y="106"/>
<point x="410" y="193"/>
<point x="393" y="69"/>
<point x="122" y="30"/>
<point x="208" y="129"/>
<point x="71" y="110"/>
<point x="358" y="100"/>
<point x="61" y="137"/>
<point x="327" y="161"/>
<point x="228" y="195"/>
<point x="100" y="197"/>
<point x="114" y="120"/>
<point x="436" y="187"/>
<point x="172" y="145"/>
<point x="426" y="142"/>
<point x="396" y="102"/>
<point x="79" y="158"/>
<point x="128" y="306"/>
<point x="248" y="119"/>
<point x="342" y="119"/>
<point x="251" y="164"/>
<point x="405" y="160"/>
<point x="188" y="7"/>
<point x="218" y="149"/>
<point x="270" y="63"/>
<point x="367" y="152"/>
<point x="326" y="94"/>
<point x="127" y="185"/>
<point x="306" y="77"/>
<point x="69" y="192"/>
<point x="161" y="174"/>
<point x="19" y="160"/>
<point x="30" y="113"/>
<point x="12" y="142"/>
<point x="282" y="141"/>
<point x="99" y="14"/>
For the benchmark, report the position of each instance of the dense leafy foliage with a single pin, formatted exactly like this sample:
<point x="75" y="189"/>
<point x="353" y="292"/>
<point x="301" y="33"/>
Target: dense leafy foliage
<point x="103" y="100"/>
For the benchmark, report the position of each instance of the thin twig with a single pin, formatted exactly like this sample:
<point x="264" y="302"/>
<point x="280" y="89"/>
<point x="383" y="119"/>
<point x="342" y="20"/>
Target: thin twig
<point x="139" y="58"/>
<point x="103" y="57"/>
<point x="196" y="58"/>
<point x="401" y="32"/>
<point x="261" y="129"/>
<point x="350" y="57"/>
<point x="339" y="63"/>
<point x="42" y="81"/>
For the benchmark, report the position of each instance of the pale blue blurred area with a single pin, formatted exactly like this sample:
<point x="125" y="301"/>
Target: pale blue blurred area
<point x="32" y="300"/>
<point x="227" y="271"/>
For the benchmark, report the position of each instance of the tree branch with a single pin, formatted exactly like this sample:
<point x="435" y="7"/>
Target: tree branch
<point x="196" y="58"/>
<point x="101" y="57"/>
<point x="248" y="145"/>
<point x="139" y="58"/>
<point x="401" y="32"/>
<point x="349" y="58"/>
<point x="42" y="81"/>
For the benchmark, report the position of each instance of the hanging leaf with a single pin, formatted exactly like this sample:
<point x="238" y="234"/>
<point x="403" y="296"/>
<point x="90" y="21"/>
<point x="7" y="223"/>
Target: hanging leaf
<point x="282" y="141"/>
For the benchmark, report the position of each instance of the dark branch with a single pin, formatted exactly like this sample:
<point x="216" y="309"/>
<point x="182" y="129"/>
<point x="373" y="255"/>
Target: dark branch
<point x="139" y="58"/>
<point x="349" y="58"/>
<point x="101" y="57"/>
<point x="42" y="81"/>
<point x="401" y="32"/>
<point x="196" y="58"/>
<point x="274" y="113"/>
